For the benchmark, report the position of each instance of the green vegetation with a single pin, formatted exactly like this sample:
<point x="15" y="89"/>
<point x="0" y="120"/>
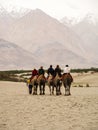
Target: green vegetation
<point x="84" y="70"/>
<point x="21" y="75"/>
<point x="16" y="71"/>
<point x="14" y="75"/>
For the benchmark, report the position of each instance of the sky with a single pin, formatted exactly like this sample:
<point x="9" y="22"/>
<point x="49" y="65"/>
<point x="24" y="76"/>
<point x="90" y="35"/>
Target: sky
<point x="56" y="8"/>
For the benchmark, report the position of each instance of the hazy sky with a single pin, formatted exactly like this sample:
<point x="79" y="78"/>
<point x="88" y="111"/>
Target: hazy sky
<point x="57" y="8"/>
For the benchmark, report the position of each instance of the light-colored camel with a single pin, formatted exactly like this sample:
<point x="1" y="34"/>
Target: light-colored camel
<point x="50" y="83"/>
<point x="34" y="85"/>
<point x="41" y="83"/>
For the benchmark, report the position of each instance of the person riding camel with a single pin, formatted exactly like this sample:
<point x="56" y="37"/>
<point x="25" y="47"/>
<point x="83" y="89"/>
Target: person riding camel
<point x="57" y="71"/>
<point x="41" y="71"/>
<point x="34" y="72"/>
<point x="50" y="71"/>
<point x="67" y="71"/>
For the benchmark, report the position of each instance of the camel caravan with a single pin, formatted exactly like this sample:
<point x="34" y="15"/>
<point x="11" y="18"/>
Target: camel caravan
<point x="54" y="80"/>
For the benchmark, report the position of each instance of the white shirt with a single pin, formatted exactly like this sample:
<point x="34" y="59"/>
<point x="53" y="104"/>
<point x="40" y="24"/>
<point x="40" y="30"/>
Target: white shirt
<point x="66" y="70"/>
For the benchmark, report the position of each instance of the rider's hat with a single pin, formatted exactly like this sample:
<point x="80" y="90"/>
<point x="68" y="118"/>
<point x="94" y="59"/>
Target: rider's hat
<point x="66" y="65"/>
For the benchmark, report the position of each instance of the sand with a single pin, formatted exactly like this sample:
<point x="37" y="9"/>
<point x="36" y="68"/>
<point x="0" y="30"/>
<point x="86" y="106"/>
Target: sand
<point x="85" y="78"/>
<point x="21" y="111"/>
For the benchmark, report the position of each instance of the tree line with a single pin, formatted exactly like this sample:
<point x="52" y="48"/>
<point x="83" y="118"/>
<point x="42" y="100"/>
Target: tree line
<point x="13" y="75"/>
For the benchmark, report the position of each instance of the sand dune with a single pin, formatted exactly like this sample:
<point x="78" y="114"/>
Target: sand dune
<point x="21" y="111"/>
<point x="85" y="78"/>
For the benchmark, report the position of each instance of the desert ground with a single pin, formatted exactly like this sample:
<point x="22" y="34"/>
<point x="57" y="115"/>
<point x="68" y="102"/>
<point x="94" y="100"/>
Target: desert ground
<point x="21" y="111"/>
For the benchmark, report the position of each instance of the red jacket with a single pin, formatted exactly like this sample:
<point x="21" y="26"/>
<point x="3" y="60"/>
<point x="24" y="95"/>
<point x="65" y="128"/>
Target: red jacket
<point x="34" y="72"/>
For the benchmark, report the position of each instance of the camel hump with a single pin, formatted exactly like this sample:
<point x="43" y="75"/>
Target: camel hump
<point x="67" y="76"/>
<point x="57" y="76"/>
<point x="41" y="77"/>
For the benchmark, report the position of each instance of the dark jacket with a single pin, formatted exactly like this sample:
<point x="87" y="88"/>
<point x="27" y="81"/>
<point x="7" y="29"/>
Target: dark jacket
<point x="57" y="71"/>
<point x="50" y="71"/>
<point x="41" y="71"/>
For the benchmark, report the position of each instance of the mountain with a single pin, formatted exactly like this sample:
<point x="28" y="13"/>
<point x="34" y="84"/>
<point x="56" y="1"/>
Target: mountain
<point x="17" y="12"/>
<point x="5" y="21"/>
<point x="56" y="53"/>
<point x="70" y="21"/>
<point x="14" y="11"/>
<point x="87" y="29"/>
<point x="14" y="57"/>
<point x="38" y="29"/>
<point x="47" y="39"/>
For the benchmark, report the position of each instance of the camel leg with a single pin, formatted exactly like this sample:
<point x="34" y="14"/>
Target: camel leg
<point x="36" y="89"/>
<point x="67" y="91"/>
<point x="30" y="89"/>
<point x="43" y="89"/>
<point x="40" y="90"/>
<point x="56" y="90"/>
<point x="59" y="91"/>
<point x="52" y="90"/>
<point x="65" y="88"/>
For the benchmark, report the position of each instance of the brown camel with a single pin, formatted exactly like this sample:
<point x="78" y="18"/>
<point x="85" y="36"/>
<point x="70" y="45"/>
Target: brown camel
<point x="67" y="80"/>
<point x="41" y="82"/>
<point x="57" y="83"/>
<point x="34" y="85"/>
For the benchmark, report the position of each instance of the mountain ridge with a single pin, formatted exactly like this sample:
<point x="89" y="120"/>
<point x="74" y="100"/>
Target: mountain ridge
<point x="58" y="44"/>
<point x="14" y="57"/>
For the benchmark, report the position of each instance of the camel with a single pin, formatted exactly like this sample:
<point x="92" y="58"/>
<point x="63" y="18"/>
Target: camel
<point x="67" y="80"/>
<point x="41" y="82"/>
<point x="57" y="83"/>
<point x="34" y="85"/>
<point x="50" y="84"/>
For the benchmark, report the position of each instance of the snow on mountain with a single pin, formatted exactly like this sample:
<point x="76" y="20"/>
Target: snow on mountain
<point x="70" y="21"/>
<point x="18" y="12"/>
<point x="89" y="18"/>
<point x="37" y="28"/>
<point x="47" y="39"/>
<point x="2" y="9"/>
<point x="3" y="12"/>
<point x="14" y="11"/>
<point x="87" y="29"/>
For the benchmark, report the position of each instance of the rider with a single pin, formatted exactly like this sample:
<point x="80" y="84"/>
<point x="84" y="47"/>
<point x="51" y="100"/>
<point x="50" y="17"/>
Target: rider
<point x="34" y="72"/>
<point x="67" y="71"/>
<point x="41" y="71"/>
<point x="57" y="71"/>
<point x="50" y="70"/>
